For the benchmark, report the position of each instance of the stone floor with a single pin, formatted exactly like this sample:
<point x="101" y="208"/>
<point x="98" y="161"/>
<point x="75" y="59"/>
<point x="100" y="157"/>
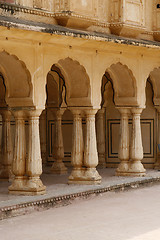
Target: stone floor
<point x="57" y="186"/>
<point x="131" y="215"/>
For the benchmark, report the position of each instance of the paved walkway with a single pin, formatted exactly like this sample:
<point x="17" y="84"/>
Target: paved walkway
<point x="131" y="215"/>
<point x="57" y="187"/>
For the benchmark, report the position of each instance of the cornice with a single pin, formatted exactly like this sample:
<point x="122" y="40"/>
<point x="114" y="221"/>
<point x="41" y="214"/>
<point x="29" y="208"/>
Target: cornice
<point x="17" y="8"/>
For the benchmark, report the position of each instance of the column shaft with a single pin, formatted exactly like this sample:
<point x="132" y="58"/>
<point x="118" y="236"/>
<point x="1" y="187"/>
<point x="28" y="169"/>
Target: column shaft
<point x="123" y="152"/>
<point x="19" y="160"/>
<point x="58" y="166"/>
<point x="77" y="148"/>
<point x="90" y="149"/>
<point x="100" y="133"/>
<point x="7" y="148"/>
<point x="43" y="137"/>
<point x="34" y="162"/>
<point x="136" y="154"/>
<point x="157" y="164"/>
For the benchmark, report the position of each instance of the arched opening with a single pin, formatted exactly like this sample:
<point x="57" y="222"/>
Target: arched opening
<point x="148" y="126"/>
<point x="68" y="99"/>
<point x="154" y="80"/>
<point x="119" y="96"/>
<point x="55" y="124"/>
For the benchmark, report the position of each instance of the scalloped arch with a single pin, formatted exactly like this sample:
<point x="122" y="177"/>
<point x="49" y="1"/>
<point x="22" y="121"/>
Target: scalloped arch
<point x="124" y="84"/>
<point x="16" y="76"/>
<point x="155" y="80"/>
<point x="122" y="78"/>
<point x="77" y="82"/>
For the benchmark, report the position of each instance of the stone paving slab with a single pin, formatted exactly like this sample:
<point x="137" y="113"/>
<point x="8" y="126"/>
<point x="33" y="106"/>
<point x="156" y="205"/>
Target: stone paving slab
<point x="59" y="193"/>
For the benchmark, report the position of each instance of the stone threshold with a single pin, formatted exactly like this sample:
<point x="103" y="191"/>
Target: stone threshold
<point x="42" y="203"/>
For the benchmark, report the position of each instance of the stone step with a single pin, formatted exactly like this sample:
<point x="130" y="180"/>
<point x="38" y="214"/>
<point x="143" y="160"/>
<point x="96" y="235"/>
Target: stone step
<point x="12" y="210"/>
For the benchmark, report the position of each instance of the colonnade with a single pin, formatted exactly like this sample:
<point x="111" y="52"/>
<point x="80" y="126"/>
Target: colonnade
<point x="88" y="153"/>
<point x="27" y="168"/>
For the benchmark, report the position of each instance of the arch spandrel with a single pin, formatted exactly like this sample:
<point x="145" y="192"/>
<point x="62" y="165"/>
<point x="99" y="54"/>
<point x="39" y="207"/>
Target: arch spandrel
<point x="17" y="80"/>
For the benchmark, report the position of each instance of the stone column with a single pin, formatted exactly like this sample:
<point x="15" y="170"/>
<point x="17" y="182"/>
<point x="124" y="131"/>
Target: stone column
<point x="157" y="164"/>
<point x="43" y="137"/>
<point x="34" y="185"/>
<point x="58" y="166"/>
<point x="136" y="150"/>
<point x="77" y="148"/>
<point x="100" y="133"/>
<point x="90" y="149"/>
<point x="19" y="159"/>
<point x="123" y="152"/>
<point x="7" y="148"/>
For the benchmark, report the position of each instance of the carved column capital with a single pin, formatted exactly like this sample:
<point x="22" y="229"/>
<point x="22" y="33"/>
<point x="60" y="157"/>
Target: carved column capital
<point x="90" y="113"/>
<point x="136" y="111"/>
<point x="124" y="111"/>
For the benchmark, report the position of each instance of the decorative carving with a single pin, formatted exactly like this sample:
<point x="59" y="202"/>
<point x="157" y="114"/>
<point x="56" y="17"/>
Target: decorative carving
<point x="61" y="5"/>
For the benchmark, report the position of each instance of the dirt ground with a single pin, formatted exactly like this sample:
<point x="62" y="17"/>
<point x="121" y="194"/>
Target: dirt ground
<point x="132" y="215"/>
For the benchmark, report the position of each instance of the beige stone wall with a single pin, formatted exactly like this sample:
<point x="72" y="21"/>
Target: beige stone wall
<point x="138" y="19"/>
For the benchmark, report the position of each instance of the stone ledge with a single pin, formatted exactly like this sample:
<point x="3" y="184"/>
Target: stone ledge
<point x="14" y="23"/>
<point x="44" y="204"/>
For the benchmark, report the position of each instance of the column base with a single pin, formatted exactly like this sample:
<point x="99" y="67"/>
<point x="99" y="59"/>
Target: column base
<point x="59" y="168"/>
<point x="122" y="169"/>
<point x="77" y="174"/>
<point x="88" y="176"/>
<point x="136" y="169"/>
<point x="24" y="186"/>
<point x="18" y="184"/>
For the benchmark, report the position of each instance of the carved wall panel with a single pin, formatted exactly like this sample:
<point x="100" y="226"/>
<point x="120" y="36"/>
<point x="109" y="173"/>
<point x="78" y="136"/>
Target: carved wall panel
<point x="156" y="15"/>
<point x="156" y="20"/>
<point x="61" y="5"/>
<point x="115" y="11"/>
<point x="127" y="11"/>
<point x="127" y="17"/>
